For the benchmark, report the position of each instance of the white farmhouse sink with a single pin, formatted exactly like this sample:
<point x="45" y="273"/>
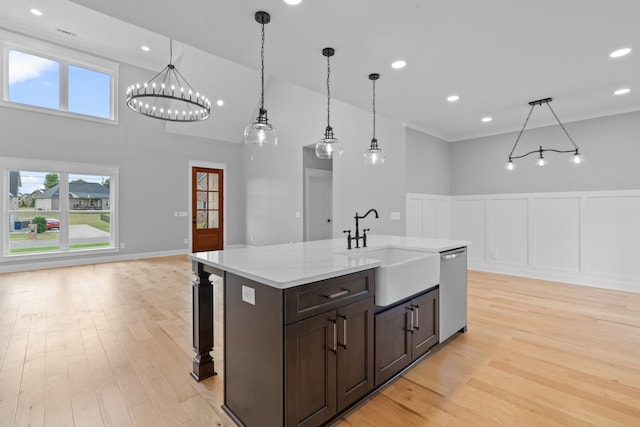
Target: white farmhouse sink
<point x="403" y="272"/>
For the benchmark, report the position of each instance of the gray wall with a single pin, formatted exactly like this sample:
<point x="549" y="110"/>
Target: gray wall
<point x="610" y="146"/>
<point x="154" y="175"/>
<point x="428" y="164"/>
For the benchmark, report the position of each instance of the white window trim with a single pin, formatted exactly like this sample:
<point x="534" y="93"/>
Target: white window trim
<point x="65" y="57"/>
<point x="7" y="164"/>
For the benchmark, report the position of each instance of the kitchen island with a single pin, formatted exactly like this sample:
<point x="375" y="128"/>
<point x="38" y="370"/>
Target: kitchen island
<point x="300" y="325"/>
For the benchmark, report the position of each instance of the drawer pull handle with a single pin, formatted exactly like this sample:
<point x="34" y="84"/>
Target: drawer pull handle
<point x="337" y="294"/>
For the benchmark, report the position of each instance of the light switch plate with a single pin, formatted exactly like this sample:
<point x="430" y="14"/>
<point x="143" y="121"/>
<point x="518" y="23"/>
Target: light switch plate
<point x="248" y="295"/>
<point x="395" y="216"/>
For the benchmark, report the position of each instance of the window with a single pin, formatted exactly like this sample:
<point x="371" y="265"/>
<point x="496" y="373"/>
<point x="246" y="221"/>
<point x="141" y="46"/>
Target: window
<point x="57" y="208"/>
<point x="49" y="78"/>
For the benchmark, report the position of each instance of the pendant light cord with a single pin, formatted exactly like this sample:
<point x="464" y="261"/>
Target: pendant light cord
<point x="262" y="71"/>
<point x="521" y="131"/>
<point x="374" y="109"/>
<point x="328" y="90"/>
<point x="562" y="126"/>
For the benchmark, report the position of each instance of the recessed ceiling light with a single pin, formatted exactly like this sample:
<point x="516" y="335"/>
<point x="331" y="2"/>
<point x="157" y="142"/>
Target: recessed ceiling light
<point x="620" y="52"/>
<point x="622" y="91"/>
<point x="36" y="12"/>
<point x="453" y="98"/>
<point x="398" y="64"/>
<point x="145" y="48"/>
<point x="292" y="2"/>
<point x="220" y="102"/>
<point x="486" y="119"/>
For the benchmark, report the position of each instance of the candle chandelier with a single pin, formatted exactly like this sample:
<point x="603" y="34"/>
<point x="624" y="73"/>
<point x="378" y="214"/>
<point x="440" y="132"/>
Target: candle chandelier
<point x="329" y="146"/>
<point x="374" y="156"/>
<point x="541" y="160"/>
<point x="260" y="132"/>
<point x="168" y="96"/>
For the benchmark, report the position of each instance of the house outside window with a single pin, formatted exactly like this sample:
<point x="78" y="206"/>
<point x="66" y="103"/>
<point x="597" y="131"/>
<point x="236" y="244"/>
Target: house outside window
<point x="57" y="209"/>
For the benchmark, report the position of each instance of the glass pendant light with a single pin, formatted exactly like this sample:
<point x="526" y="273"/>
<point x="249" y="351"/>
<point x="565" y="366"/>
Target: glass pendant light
<point x="260" y="132"/>
<point x="374" y="156"/>
<point x="329" y="146"/>
<point x="541" y="161"/>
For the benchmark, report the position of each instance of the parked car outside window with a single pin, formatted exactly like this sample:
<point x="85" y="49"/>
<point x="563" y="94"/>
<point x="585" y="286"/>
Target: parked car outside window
<point x="53" y="223"/>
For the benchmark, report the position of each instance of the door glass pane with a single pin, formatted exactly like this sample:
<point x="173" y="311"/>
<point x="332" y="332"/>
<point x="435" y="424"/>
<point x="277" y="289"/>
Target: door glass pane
<point x="213" y="200"/>
<point x="201" y="219"/>
<point x="89" y="92"/>
<point x="34" y="80"/>
<point x="201" y="179"/>
<point x="202" y="200"/>
<point x="213" y="219"/>
<point x="213" y="181"/>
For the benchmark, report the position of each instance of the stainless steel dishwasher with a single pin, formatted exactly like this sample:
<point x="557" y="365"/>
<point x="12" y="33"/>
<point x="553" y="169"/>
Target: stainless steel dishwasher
<point x="453" y="292"/>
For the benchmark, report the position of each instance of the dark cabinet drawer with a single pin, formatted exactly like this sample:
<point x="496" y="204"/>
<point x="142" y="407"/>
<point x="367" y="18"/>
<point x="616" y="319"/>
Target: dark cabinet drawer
<point x="305" y="301"/>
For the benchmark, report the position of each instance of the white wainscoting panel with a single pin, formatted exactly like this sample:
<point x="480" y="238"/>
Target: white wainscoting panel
<point x="589" y="238"/>
<point x="428" y="216"/>
<point x="613" y="225"/>
<point x="469" y="223"/>
<point x="555" y="233"/>
<point x="508" y="231"/>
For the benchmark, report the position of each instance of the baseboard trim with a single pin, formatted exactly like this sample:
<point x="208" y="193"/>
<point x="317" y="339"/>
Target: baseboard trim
<point x="619" y="283"/>
<point x="70" y="262"/>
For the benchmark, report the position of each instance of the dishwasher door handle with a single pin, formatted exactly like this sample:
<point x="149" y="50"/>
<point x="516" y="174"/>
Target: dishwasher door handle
<point x="453" y="255"/>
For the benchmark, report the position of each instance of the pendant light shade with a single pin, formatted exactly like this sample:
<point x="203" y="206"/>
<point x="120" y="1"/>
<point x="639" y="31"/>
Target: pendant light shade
<point x="374" y="156"/>
<point x="328" y="147"/>
<point x="541" y="160"/>
<point x="261" y="133"/>
<point x="168" y="96"/>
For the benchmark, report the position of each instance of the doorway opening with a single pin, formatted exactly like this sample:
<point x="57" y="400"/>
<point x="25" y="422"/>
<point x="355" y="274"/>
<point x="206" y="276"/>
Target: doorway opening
<point x="318" y="196"/>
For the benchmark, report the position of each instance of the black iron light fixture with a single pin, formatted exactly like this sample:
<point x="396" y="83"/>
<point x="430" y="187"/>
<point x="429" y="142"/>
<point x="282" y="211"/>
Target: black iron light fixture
<point x="328" y="147"/>
<point x="260" y="132"/>
<point x="541" y="161"/>
<point x="374" y="156"/>
<point x="168" y="96"/>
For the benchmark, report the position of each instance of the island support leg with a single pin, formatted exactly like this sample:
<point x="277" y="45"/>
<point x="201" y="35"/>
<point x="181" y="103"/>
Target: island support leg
<point x="202" y="299"/>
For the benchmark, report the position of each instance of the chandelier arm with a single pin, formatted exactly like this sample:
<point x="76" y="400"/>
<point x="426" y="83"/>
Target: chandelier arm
<point x="562" y="126"/>
<point x="186" y="82"/>
<point x="520" y="134"/>
<point x="539" y="151"/>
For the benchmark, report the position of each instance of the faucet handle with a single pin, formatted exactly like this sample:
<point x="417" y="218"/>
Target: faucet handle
<point x="366" y="229"/>
<point x="346" y="231"/>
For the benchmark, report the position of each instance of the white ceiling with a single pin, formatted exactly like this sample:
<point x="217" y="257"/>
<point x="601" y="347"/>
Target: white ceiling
<point x="497" y="55"/>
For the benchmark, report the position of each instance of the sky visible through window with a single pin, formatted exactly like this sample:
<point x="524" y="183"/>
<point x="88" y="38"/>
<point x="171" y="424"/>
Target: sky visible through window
<point x="35" y="80"/>
<point x="32" y="181"/>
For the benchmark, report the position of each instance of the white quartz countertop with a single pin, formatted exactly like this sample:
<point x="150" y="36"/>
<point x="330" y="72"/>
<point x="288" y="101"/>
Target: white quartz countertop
<point x="292" y="264"/>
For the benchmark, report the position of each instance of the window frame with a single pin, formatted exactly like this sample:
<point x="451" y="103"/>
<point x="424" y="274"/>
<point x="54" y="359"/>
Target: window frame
<point x="65" y="57"/>
<point x="64" y="169"/>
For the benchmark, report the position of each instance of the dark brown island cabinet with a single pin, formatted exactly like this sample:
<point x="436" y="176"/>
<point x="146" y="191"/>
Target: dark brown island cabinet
<point x="301" y="356"/>
<point x="405" y="332"/>
<point x="297" y="356"/>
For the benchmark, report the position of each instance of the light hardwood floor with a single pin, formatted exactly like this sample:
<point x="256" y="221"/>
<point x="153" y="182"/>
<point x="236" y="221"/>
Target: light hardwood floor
<point x="110" y="344"/>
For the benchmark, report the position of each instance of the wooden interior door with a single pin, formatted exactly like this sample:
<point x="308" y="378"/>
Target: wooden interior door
<point x="207" y="209"/>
